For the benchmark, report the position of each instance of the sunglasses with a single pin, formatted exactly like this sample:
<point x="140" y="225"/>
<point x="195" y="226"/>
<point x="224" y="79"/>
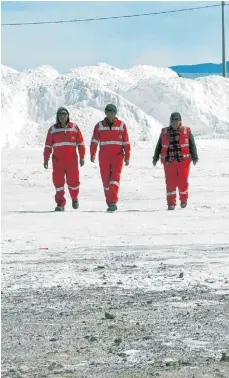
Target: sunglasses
<point x="63" y="113"/>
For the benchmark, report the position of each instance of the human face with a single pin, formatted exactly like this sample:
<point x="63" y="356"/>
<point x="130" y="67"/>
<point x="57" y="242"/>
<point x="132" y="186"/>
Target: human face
<point x="110" y="115"/>
<point x="63" y="117"/>
<point x="175" y="124"/>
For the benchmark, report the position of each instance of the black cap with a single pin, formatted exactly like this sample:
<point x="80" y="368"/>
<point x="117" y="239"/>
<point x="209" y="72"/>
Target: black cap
<point x="175" y="117"/>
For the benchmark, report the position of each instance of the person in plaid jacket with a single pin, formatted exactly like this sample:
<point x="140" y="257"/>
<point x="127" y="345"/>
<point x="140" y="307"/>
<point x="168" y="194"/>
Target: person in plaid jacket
<point x="176" y="147"/>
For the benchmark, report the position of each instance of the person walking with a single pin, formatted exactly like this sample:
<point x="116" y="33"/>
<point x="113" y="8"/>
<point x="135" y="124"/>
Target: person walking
<point x="176" y="147"/>
<point x="61" y="141"/>
<point x="112" y="136"/>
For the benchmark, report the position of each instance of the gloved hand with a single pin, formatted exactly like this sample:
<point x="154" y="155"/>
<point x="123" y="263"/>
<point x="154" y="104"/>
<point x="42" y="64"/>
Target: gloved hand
<point x="46" y="164"/>
<point x="127" y="162"/>
<point x="195" y="162"/>
<point x="82" y="162"/>
<point x="154" y="163"/>
<point x="92" y="159"/>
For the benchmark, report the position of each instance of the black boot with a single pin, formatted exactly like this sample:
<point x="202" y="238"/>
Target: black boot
<point x="113" y="207"/>
<point x="171" y="207"/>
<point x="75" y="204"/>
<point x="183" y="204"/>
<point x="59" y="208"/>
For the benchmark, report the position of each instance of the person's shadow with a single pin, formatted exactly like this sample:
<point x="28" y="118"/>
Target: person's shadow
<point x="31" y="212"/>
<point x="82" y="211"/>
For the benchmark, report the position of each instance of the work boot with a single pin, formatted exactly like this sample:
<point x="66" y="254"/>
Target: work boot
<point x="113" y="207"/>
<point x="171" y="207"/>
<point x="183" y="204"/>
<point x="59" y="208"/>
<point x="75" y="204"/>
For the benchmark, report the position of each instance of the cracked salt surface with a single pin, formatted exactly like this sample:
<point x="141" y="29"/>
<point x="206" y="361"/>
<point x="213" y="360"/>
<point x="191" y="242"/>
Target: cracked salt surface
<point x="57" y="283"/>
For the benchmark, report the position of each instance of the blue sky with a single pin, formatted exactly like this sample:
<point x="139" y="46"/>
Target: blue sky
<point x="162" y="40"/>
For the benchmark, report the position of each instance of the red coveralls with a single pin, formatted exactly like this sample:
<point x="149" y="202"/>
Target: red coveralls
<point x="114" y="145"/>
<point x="63" y="142"/>
<point x="176" y="173"/>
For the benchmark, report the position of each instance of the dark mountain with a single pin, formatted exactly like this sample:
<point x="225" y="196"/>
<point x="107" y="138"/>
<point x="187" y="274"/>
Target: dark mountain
<point x="210" y="68"/>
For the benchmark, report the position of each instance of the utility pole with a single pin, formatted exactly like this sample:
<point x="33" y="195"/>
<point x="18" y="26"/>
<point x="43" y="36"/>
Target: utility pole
<point x="223" y="42"/>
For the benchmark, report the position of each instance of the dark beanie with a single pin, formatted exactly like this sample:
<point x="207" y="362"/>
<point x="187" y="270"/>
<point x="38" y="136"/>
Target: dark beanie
<point x="111" y="108"/>
<point x="61" y="109"/>
<point x="175" y="117"/>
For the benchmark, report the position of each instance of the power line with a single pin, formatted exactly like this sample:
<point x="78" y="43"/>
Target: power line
<point x="113" y="17"/>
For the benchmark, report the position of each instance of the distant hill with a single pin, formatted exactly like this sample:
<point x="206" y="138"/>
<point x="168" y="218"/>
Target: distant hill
<point x="210" y="68"/>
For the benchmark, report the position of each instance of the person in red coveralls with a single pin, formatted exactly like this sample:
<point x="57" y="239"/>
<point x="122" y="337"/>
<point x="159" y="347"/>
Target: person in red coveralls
<point x="62" y="140"/>
<point x="176" y="147"/>
<point x="112" y="136"/>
